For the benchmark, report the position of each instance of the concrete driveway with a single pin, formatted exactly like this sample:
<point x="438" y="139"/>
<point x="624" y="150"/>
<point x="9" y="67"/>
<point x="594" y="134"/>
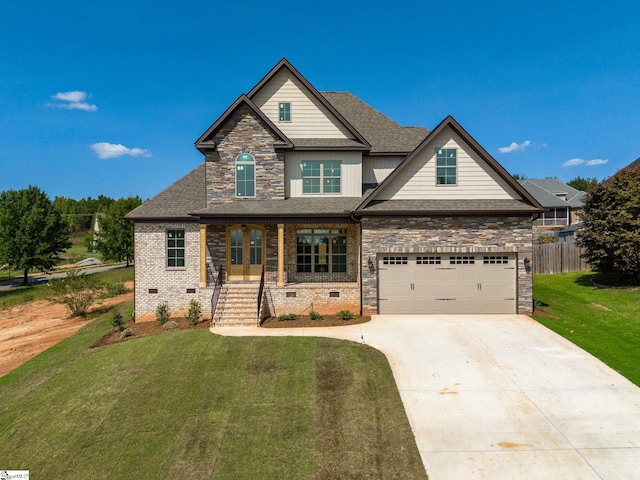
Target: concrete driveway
<point x="501" y="397"/>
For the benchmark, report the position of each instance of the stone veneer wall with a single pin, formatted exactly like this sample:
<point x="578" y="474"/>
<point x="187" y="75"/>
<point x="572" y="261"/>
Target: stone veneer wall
<point x="172" y="284"/>
<point x="446" y="234"/>
<point x="244" y="132"/>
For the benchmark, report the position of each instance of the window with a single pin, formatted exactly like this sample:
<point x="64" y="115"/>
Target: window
<point x="496" y="260"/>
<point x="446" y="166"/>
<point x="285" y="112"/>
<point x="553" y="218"/>
<point x="462" y="260"/>
<point x="245" y="176"/>
<point x="428" y="260"/>
<point x="395" y="260"/>
<point x="175" y="248"/>
<point x="321" y="250"/>
<point x="320" y="177"/>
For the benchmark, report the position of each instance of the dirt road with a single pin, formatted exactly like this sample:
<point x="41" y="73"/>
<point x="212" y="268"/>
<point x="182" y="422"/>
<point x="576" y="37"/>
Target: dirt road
<point x="29" y="329"/>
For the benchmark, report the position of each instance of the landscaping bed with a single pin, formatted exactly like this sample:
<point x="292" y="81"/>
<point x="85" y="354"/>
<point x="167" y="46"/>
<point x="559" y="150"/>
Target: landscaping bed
<point x="305" y="321"/>
<point x="146" y="329"/>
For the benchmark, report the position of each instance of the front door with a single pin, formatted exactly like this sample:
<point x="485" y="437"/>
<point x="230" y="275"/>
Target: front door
<point x="245" y="252"/>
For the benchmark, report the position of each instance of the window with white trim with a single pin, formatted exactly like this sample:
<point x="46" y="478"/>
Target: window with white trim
<point x="446" y="166"/>
<point x="321" y="177"/>
<point x="245" y="176"/>
<point x="175" y="248"/>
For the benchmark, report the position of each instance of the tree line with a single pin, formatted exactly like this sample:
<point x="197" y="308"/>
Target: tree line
<point x="34" y="230"/>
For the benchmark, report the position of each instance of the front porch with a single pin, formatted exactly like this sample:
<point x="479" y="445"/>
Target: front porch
<point x="301" y="267"/>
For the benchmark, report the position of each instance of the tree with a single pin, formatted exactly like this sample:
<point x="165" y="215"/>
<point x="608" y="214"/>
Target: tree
<point x="115" y="240"/>
<point x="583" y="184"/>
<point x="611" y="227"/>
<point x="32" y="232"/>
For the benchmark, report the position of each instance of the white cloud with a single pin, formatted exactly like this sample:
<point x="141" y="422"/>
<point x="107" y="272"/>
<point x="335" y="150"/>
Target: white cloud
<point x="579" y="161"/>
<point x="597" y="161"/>
<point x="73" y="100"/>
<point x="515" y="147"/>
<point x="114" y="150"/>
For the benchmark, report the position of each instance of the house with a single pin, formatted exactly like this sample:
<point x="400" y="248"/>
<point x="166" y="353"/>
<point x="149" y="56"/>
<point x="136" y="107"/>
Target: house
<point x="563" y="203"/>
<point x="309" y="200"/>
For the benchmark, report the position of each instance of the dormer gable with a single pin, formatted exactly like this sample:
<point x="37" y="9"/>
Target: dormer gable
<point x="300" y="111"/>
<point x="450" y="166"/>
<point x="207" y="142"/>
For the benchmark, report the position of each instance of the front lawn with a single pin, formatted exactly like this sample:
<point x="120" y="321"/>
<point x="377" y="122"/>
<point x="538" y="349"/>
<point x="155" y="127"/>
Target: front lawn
<point x="189" y="404"/>
<point x="602" y="321"/>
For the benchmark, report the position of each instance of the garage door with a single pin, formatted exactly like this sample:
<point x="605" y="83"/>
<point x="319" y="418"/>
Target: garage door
<point x="447" y="283"/>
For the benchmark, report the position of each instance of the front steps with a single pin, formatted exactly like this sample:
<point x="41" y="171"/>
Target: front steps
<point x="237" y="305"/>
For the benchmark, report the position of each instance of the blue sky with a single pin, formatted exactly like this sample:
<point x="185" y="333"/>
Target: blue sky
<point x="108" y="98"/>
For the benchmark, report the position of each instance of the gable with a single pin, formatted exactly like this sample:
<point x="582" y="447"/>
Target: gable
<point x="475" y="178"/>
<point x="309" y="118"/>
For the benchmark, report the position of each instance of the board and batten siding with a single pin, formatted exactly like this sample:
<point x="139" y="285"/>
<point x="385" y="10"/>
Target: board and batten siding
<point x="350" y="172"/>
<point x="376" y="169"/>
<point x="309" y="118"/>
<point x="475" y="179"/>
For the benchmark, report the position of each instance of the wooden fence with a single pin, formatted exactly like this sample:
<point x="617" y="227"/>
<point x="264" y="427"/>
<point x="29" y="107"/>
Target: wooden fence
<point x="558" y="258"/>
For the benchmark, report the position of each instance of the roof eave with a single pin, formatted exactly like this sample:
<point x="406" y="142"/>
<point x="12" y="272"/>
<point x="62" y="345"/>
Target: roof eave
<point x="442" y="213"/>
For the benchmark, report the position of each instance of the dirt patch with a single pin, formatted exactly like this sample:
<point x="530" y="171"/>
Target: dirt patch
<point x="304" y="321"/>
<point x="29" y="329"/>
<point x="597" y="306"/>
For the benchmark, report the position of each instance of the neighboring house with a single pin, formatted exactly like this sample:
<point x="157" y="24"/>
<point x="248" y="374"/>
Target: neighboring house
<point x="634" y="164"/>
<point x="340" y="208"/>
<point x="563" y="203"/>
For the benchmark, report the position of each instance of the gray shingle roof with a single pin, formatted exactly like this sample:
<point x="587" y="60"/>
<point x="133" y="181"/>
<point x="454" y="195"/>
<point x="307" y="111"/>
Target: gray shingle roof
<point x="324" y="143"/>
<point x="443" y="207"/>
<point x="545" y="190"/>
<point x="384" y="135"/>
<point x="176" y="201"/>
<point x="294" y="206"/>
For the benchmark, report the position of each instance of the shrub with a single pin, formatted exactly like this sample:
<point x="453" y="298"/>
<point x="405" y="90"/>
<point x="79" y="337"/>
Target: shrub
<point x="77" y="292"/>
<point x="194" y="313"/>
<point x="283" y="317"/>
<point x="546" y="238"/>
<point x="127" y="332"/>
<point x="162" y="312"/>
<point x="315" y="315"/>
<point x="117" y="322"/>
<point x="171" y="325"/>
<point x="113" y="289"/>
<point x="345" y="314"/>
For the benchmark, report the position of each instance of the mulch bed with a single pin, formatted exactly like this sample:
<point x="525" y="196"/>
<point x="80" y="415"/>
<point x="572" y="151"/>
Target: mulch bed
<point x="304" y="321"/>
<point x="147" y="329"/>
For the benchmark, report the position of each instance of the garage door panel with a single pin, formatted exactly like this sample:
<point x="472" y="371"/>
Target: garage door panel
<point x="451" y="283"/>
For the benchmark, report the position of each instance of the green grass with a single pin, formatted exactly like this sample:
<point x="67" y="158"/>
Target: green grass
<point x="602" y="321"/>
<point x="189" y="404"/>
<point x="19" y="295"/>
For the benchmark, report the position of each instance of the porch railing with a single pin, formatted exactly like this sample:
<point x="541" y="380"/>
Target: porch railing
<point x="260" y="292"/>
<point x="299" y="273"/>
<point x="216" y="292"/>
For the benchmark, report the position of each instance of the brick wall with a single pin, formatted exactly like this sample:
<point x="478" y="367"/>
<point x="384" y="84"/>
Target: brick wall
<point x="328" y="299"/>
<point x="447" y="234"/>
<point x="177" y="286"/>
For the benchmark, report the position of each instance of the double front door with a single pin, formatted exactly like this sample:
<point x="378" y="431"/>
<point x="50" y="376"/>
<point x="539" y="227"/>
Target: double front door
<point x="245" y="252"/>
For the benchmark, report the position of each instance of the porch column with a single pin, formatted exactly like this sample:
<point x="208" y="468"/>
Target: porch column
<point x="203" y="255"/>
<point x="280" y="255"/>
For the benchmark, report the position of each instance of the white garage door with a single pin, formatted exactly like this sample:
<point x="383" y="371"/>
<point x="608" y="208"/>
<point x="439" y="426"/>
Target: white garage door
<point x="447" y="283"/>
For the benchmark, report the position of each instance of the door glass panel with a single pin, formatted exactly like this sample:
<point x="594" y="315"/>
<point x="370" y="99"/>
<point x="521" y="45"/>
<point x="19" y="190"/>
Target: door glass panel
<point x="236" y="247"/>
<point x="255" y="247"/>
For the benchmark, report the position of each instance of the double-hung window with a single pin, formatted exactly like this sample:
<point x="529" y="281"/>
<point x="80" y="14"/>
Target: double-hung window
<point x="245" y="176"/>
<point x="321" y="250"/>
<point x="284" y="111"/>
<point x="446" y="166"/>
<point x="175" y="248"/>
<point x="321" y="177"/>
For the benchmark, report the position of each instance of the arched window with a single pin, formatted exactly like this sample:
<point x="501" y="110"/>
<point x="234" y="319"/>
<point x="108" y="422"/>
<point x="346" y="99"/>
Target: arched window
<point x="245" y="176"/>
